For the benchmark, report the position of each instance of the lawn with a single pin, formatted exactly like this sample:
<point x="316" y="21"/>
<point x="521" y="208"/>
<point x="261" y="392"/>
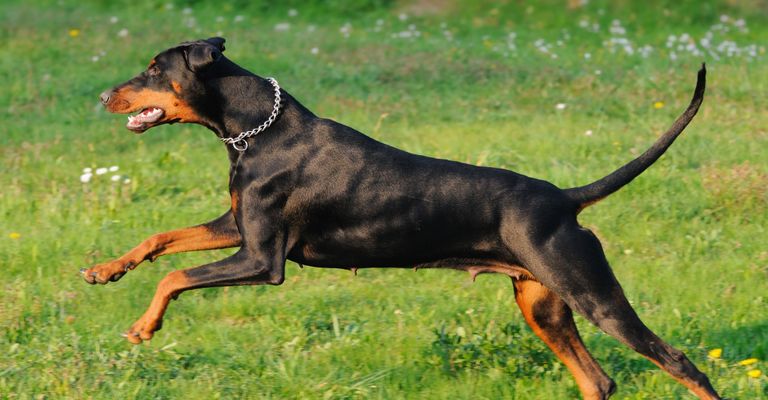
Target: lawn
<point x="560" y="90"/>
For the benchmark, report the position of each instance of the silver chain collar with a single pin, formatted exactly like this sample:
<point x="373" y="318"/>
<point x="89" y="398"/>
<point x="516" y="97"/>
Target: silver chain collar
<point x="238" y="142"/>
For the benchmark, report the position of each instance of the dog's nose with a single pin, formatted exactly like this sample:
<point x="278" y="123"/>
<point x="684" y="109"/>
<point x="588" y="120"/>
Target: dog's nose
<point x="105" y="96"/>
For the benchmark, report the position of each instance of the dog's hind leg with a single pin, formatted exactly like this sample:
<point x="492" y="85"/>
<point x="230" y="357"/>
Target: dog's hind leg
<point x="552" y="321"/>
<point x="572" y="264"/>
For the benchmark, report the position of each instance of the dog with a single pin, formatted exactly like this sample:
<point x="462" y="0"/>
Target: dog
<point x="319" y="193"/>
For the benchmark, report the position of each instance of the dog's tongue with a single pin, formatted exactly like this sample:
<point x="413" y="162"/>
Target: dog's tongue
<point x="148" y="115"/>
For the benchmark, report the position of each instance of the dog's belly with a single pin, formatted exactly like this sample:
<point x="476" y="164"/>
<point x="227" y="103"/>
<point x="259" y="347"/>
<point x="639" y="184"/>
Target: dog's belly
<point x="413" y="236"/>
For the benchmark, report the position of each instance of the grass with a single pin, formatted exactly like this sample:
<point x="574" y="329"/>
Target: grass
<point x="477" y="83"/>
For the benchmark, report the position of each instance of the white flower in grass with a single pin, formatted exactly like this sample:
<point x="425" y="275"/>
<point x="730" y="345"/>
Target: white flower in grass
<point x="101" y="171"/>
<point x="87" y="170"/>
<point x="346" y="29"/>
<point x="560" y="106"/>
<point x="282" y="27"/>
<point x="616" y="28"/>
<point x="671" y="40"/>
<point x="86" y="177"/>
<point x="588" y="132"/>
<point x="314" y="51"/>
<point x="293" y="12"/>
<point x="115" y="178"/>
<point x="113" y="168"/>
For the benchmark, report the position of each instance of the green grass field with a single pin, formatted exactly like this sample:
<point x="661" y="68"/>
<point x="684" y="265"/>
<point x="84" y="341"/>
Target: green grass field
<point x="557" y="90"/>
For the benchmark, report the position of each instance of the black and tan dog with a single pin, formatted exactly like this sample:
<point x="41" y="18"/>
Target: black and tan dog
<point x="319" y="193"/>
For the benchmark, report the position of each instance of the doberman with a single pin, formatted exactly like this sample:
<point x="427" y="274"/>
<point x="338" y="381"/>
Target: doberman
<point x="319" y="193"/>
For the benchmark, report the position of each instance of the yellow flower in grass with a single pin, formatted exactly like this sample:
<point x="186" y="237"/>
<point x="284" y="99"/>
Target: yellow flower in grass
<point x="74" y="32"/>
<point x="755" y="373"/>
<point x="715" y="353"/>
<point x="748" y="361"/>
<point x="658" y="104"/>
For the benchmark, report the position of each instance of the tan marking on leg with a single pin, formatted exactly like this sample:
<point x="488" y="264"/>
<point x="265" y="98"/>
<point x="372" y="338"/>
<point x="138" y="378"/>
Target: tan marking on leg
<point x="700" y="392"/>
<point x="191" y="239"/>
<point x="177" y="241"/>
<point x="559" y="333"/>
<point x="169" y="288"/>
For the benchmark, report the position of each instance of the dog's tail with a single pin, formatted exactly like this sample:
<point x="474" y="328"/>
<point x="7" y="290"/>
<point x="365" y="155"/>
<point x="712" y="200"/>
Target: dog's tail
<point x="587" y="195"/>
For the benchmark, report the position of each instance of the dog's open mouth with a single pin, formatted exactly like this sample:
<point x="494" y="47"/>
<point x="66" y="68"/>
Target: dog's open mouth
<point x="144" y="120"/>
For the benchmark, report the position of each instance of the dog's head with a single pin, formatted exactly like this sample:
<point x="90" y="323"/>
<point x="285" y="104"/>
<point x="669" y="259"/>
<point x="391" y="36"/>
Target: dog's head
<point x="171" y="87"/>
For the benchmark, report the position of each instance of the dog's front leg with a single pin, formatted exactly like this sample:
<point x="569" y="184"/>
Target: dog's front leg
<point x="242" y="268"/>
<point x="217" y="234"/>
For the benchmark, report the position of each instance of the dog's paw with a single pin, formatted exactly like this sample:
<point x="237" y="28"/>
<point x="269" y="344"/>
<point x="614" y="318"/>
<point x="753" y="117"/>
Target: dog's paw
<point x="107" y="272"/>
<point x="143" y="329"/>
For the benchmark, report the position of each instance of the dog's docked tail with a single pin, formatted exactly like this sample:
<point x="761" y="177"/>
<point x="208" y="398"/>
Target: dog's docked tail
<point x="594" y="192"/>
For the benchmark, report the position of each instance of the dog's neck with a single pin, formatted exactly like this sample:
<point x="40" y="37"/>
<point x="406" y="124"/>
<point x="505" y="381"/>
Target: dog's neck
<point x="256" y="100"/>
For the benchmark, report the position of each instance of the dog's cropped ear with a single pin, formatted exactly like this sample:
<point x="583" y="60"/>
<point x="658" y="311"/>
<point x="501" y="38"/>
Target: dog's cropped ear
<point x="217" y="41"/>
<point x="204" y="53"/>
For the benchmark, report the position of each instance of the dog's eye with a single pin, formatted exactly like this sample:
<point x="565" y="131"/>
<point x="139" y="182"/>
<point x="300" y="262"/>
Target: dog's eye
<point x="153" y="71"/>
